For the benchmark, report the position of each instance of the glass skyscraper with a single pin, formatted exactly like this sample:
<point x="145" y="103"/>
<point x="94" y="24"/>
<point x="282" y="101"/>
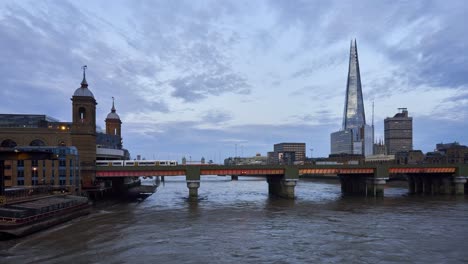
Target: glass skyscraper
<point x="355" y="137"/>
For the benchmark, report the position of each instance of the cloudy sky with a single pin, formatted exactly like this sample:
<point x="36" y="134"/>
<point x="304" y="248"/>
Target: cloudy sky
<point x="198" y="78"/>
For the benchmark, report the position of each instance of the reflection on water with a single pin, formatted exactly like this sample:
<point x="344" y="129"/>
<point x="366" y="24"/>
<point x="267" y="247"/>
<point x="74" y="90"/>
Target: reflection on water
<point x="237" y="222"/>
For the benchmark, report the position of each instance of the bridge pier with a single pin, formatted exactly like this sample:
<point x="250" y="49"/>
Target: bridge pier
<point x="459" y="185"/>
<point x="375" y="186"/>
<point x="234" y="177"/>
<point x="355" y="184"/>
<point x="446" y="186"/>
<point x="281" y="187"/>
<point x="362" y="185"/>
<point x="193" y="186"/>
<point x="433" y="184"/>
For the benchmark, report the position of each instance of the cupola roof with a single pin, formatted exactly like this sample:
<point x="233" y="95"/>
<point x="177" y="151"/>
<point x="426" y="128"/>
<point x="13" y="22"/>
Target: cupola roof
<point x="83" y="90"/>
<point x="113" y="114"/>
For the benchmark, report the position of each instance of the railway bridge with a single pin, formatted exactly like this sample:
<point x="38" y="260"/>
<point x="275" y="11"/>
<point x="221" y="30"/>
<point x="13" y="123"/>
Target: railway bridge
<point x="366" y="180"/>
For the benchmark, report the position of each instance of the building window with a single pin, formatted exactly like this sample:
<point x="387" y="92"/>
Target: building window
<point x="8" y="143"/>
<point x="20" y="163"/>
<point x="82" y="114"/>
<point x="37" y="143"/>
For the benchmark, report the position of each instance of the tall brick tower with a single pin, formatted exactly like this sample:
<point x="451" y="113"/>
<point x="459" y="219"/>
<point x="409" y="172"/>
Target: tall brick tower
<point x="83" y="130"/>
<point x="113" y="123"/>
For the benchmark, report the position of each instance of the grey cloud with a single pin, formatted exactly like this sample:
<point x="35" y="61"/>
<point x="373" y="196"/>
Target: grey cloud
<point x="216" y="116"/>
<point x="197" y="87"/>
<point x="42" y="46"/>
<point x="439" y="59"/>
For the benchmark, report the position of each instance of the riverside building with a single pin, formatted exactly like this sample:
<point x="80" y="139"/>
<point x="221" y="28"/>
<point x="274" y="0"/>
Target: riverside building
<point x="78" y="142"/>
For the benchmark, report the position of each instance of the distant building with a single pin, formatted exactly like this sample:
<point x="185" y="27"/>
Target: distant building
<point x="380" y="159"/>
<point x="435" y="157"/>
<point x="355" y="137"/>
<point x="342" y="159"/>
<point x="379" y="148"/>
<point x="398" y="132"/>
<point x="454" y="152"/>
<point x="409" y="157"/>
<point x="255" y="160"/>
<point x="288" y="153"/>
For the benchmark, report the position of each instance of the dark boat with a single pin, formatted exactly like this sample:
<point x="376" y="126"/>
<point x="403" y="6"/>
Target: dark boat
<point x="141" y="192"/>
<point x="23" y="218"/>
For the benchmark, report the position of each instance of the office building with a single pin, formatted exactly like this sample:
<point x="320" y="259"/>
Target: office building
<point x="287" y="153"/>
<point x="398" y="132"/>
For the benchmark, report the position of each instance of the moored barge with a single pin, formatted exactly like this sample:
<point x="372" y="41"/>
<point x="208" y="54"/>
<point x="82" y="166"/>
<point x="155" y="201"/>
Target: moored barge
<point x="20" y="219"/>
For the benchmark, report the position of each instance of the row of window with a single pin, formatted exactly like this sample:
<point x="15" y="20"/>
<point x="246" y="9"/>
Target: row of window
<point x="35" y="163"/>
<point x="36" y="182"/>
<point x="8" y="143"/>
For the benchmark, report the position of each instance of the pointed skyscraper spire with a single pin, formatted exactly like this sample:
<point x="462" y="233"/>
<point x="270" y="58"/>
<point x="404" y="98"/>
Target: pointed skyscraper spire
<point x="354" y="116"/>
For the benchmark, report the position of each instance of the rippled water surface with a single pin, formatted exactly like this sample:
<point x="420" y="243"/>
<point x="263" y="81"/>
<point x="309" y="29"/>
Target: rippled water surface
<point x="237" y="222"/>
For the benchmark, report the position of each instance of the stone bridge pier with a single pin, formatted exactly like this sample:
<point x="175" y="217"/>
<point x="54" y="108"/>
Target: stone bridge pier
<point x="436" y="184"/>
<point x="365" y="184"/>
<point x="362" y="185"/>
<point x="283" y="185"/>
<point x="192" y="177"/>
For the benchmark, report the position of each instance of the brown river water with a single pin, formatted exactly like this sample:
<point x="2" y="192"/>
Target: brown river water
<point x="237" y="222"/>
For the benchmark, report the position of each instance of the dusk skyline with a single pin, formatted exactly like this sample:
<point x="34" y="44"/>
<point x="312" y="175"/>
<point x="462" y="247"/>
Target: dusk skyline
<point x="198" y="78"/>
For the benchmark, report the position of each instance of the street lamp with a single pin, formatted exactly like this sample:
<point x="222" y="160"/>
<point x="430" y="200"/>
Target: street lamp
<point x="34" y="175"/>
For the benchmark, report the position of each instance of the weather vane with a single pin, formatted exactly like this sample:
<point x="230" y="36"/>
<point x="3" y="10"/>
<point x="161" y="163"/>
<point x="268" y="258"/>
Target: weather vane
<point x="84" y="69"/>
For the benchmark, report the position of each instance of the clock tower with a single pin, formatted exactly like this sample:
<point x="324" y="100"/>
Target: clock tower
<point x="83" y="130"/>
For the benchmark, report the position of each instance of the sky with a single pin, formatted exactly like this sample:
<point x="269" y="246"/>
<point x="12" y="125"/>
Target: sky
<point x="215" y="79"/>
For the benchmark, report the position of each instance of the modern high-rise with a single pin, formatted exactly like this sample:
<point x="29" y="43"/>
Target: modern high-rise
<point x="398" y="132"/>
<point x="288" y="153"/>
<point x="355" y="137"/>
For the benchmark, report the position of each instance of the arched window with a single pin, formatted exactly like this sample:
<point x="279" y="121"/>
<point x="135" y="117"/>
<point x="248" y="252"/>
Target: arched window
<point x="82" y="114"/>
<point x="37" y="143"/>
<point x="8" y="143"/>
<point x="115" y="131"/>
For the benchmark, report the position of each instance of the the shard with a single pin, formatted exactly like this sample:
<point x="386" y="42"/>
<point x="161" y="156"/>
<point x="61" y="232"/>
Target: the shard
<point x="355" y="137"/>
<point x="354" y="116"/>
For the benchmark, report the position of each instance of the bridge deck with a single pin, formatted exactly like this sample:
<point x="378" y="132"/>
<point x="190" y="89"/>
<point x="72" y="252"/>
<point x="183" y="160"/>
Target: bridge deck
<point x="249" y="170"/>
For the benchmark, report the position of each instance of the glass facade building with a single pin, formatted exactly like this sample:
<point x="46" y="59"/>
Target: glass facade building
<point x="355" y="137"/>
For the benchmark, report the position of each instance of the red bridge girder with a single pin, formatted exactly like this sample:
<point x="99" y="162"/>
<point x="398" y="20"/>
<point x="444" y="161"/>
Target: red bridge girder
<point x="138" y="173"/>
<point x="243" y="172"/>
<point x="336" y="171"/>
<point x="421" y="170"/>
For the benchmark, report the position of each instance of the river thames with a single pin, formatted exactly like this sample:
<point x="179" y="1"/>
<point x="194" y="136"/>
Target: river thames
<point x="237" y="222"/>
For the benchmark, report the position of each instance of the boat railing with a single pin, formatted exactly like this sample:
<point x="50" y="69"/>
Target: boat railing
<point x="29" y="219"/>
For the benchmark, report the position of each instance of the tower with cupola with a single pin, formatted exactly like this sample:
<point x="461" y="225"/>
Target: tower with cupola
<point x="83" y="130"/>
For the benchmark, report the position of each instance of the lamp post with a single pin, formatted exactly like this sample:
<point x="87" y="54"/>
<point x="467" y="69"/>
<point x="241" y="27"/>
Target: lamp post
<point x="34" y="175"/>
